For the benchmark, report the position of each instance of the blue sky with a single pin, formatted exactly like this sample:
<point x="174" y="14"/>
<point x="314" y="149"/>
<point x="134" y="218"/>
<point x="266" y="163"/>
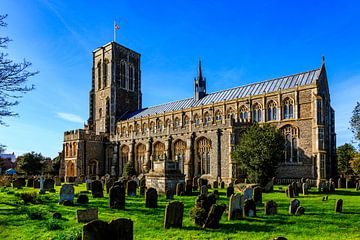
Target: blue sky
<point x="239" y="42"/>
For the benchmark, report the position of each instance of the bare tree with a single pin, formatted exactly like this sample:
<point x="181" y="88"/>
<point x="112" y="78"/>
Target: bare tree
<point x="13" y="78"/>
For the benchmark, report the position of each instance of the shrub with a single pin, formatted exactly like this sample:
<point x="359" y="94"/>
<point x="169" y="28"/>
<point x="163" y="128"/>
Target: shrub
<point x="28" y="197"/>
<point x="35" y="213"/>
<point x="53" y="224"/>
<point x="198" y="215"/>
<point x="72" y="234"/>
<point x="129" y="169"/>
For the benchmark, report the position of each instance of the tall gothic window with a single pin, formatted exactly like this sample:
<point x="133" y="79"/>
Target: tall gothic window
<point x="131" y="78"/>
<point x="291" y="145"/>
<point x="152" y="127"/>
<point x="180" y="147"/>
<point x="144" y="128"/>
<point x="321" y="139"/>
<point x="257" y="112"/>
<point x="137" y="128"/>
<point x="124" y="155"/>
<point x="218" y="116"/>
<point x="167" y="123"/>
<point x="203" y="156"/>
<point x="159" y="126"/>
<point x="99" y="75"/>
<point x="319" y="103"/>
<point x="288" y="108"/>
<point x="230" y="114"/>
<point x="159" y="151"/>
<point x="106" y="66"/>
<point x="140" y="158"/>
<point x="176" y="123"/>
<point x="186" y="120"/>
<point x="197" y="120"/>
<point x="243" y="113"/>
<point x="271" y="111"/>
<point x="70" y="169"/>
<point x="207" y="118"/>
<point x="122" y="74"/>
<point x="93" y="168"/>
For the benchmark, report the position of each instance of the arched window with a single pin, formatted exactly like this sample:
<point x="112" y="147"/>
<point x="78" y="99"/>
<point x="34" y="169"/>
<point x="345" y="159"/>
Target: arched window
<point x="291" y="146"/>
<point x="130" y="129"/>
<point x="152" y="127"/>
<point x="123" y="131"/>
<point x="70" y="150"/>
<point x="186" y="120"/>
<point x="167" y="123"/>
<point x="131" y="78"/>
<point x="70" y="169"/>
<point x="176" y="123"/>
<point x="159" y="151"/>
<point x="218" y="116"/>
<point x="207" y="118"/>
<point x="230" y="113"/>
<point x="319" y="104"/>
<point x="140" y="158"/>
<point x="257" y="112"/>
<point x="271" y="111"/>
<point x="67" y="150"/>
<point x="159" y="126"/>
<point x="100" y="112"/>
<point x="99" y="74"/>
<point x="124" y="155"/>
<point x="197" y="120"/>
<point x="243" y="113"/>
<point x="93" y="168"/>
<point x="122" y="74"/>
<point x="144" y="128"/>
<point x="74" y="149"/>
<point x="203" y="156"/>
<point x="179" y="154"/>
<point x="106" y="66"/>
<point x="288" y="108"/>
<point x="137" y="128"/>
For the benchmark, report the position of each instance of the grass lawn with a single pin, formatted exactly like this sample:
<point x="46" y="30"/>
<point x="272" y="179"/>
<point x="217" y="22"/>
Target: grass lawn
<point x="318" y="222"/>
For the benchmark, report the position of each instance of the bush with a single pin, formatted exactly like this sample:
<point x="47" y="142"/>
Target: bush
<point x="34" y="213"/>
<point x="72" y="234"/>
<point x="53" y="224"/>
<point x="29" y="197"/>
<point x="198" y="215"/>
<point x="129" y="170"/>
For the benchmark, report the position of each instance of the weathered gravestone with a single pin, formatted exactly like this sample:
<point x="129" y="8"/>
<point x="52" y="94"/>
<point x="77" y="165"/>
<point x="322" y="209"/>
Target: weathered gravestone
<point x="257" y="195"/>
<point x="222" y="185"/>
<point x="305" y="190"/>
<point x="300" y="211"/>
<point x="203" y="190"/>
<point x="269" y="187"/>
<point x="214" y="216"/>
<point x="42" y="190"/>
<point x="118" y="229"/>
<point x="88" y="184"/>
<point x="270" y="208"/>
<point x="235" y="207"/>
<point x="338" y="205"/>
<point x="151" y="198"/>
<point x="195" y="183"/>
<point x="16" y="183"/>
<point x="82" y="199"/>
<point x="169" y="194"/>
<point x="248" y="193"/>
<point x="109" y="183"/>
<point x="66" y="193"/>
<point x="179" y="189"/>
<point x="117" y="197"/>
<point x="22" y="182"/>
<point x="229" y="191"/>
<point x="131" y="188"/>
<point x="49" y="184"/>
<point x="174" y="212"/>
<point x="295" y="189"/>
<point x="202" y="182"/>
<point x="57" y="181"/>
<point x="290" y="191"/>
<point x="215" y="184"/>
<point x="88" y="215"/>
<point x="30" y="182"/>
<point x="249" y="208"/>
<point x="294" y="204"/>
<point x="97" y="189"/>
<point x="188" y="188"/>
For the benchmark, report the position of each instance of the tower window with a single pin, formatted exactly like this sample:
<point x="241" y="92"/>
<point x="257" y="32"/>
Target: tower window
<point x="99" y="75"/>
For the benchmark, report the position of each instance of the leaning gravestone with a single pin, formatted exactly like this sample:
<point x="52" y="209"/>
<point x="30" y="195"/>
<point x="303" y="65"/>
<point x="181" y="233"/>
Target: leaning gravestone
<point x="214" y="216"/>
<point x="97" y="189"/>
<point x="269" y="187"/>
<point x="294" y="204"/>
<point x="300" y="211"/>
<point x="117" y="197"/>
<point x="257" y="195"/>
<point x="338" y="205"/>
<point x="249" y="208"/>
<point x="174" y="212"/>
<point x="118" y="229"/>
<point x="88" y="215"/>
<point x="151" y="198"/>
<point x="49" y="184"/>
<point x="179" y="189"/>
<point x="305" y="189"/>
<point x="131" y="188"/>
<point x="270" y="208"/>
<point x="229" y="191"/>
<point x="203" y="190"/>
<point x="66" y="193"/>
<point x="235" y="207"/>
<point x="248" y="193"/>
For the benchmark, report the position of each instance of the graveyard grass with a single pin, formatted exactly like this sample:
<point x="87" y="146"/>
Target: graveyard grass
<point x="318" y="222"/>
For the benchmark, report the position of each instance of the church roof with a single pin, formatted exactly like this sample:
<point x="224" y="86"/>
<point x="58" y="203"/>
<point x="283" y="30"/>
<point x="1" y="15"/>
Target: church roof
<point x="299" y="79"/>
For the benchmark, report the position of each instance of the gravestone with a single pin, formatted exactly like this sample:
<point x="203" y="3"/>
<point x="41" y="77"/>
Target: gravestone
<point x="229" y="191"/>
<point x="36" y="183"/>
<point x="21" y="182"/>
<point x="57" y="181"/>
<point x="131" y="188"/>
<point x="249" y="208"/>
<point x="117" y="197"/>
<point x="97" y="189"/>
<point x="142" y="190"/>
<point x="214" y="216"/>
<point x="300" y="211"/>
<point x="195" y="183"/>
<point x="294" y="204"/>
<point x="257" y="195"/>
<point x="30" y="182"/>
<point x="202" y="182"/>
<point x="88" y="215"/>
<point x="88" y="184"/>
<point x="151" y="198"/>
<point x="109" y="183"/>
<point x="235" y="207"/>
<point x="295" y="189"/>
<point x="338" y="205"/>
<point x="118" y="229"/>
<point x="82" y="199"/>
<point x="215" y="184"/>
<point x="66" y="193"/>
<point x="203" y="190"/>
<point x="305" y="189"/>
<point x="188" y="188"/>
<point x="169" y="194"/>
<point x="179" y="189"/>
<point x="174" y="212"/>
<point x="222" y="185"/>
<point x="269" y="187"/>
<point x="270" y="208"/>
<point x="49" y="184"/>
<point x="248" y="193"/>
<point x="41" y="181"/>
<point x="290" y="191"/>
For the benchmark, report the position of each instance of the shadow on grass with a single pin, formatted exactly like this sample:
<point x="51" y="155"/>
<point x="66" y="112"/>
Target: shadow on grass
<point x="233" y="228"/>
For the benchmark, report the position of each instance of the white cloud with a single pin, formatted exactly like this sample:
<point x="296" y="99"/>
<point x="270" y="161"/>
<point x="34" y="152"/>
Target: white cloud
<point x="70" y="117"/>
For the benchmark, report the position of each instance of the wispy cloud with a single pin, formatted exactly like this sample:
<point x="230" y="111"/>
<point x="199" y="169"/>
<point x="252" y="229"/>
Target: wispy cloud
<point x="70" y="117"/>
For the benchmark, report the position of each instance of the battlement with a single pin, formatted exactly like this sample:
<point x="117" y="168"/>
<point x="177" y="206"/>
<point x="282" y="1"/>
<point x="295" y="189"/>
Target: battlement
<point x="81" y="134"/>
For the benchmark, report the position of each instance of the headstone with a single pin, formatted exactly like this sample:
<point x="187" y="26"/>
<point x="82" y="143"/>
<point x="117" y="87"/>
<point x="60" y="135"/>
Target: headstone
<point x="36" y="183"/>
<point x="97" y="189"/>
<point x="169" y="194"/>
<point x="142" y="190"/>
<point x="117" y="197"/>
<point x="270" y="208"/>
<point x="229" y="191"/>
<point x="257" y="195"/>
<point x="109" y="183"/>
<point x="290" y="191"/>
<point x="248" y="193"/>
<point x="131" y="188"/>
<point x="22" y="182"/>
<point x="30" y="182"/>
<point x="202" y="182"/>
<point x="195" y="183"/>
<point x="88" y="184"/>
<point x="222" y="185"/>
<point x="235" y="207"/>
<point x="88" y="215"/>
<point x="300" y="211"/>
<point x="338" y="205"/>
<point x="118" y="229"/>
<point x="269" y="187"/>
<point x="249" y="208"/>
<point x="174" y="212"/>
<point x="203" y="190"/>
<point x="82" y="199"/>
<point x="294" y="204"/>
<point x="41" y="181"/>
<point x="214" y="216"/>
<point x="66" y="193"/>
<point x="96" y="230"/>
<point x="295" y="189"/>
<point x="179" y="189"/>
<point x="151" y="198"/>
<point x="215" y="184"/>
<point x="305" y="189"/>
<point x="188" y="188"/>
<point x="16" y="183"/>
<point x="57" y="181"/>
<point x="49" y="184"/>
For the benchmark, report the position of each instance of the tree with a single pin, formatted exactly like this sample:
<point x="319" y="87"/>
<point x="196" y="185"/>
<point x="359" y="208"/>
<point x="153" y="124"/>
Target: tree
<point x="13" y="78"/>
<point x="355" y="121"/>
<point x="260" y="151"/>
<point x="30" y="163"/>
<point x="129" y="170"/>
<point x="344" y="154"/>
<point x="355" y="164"/>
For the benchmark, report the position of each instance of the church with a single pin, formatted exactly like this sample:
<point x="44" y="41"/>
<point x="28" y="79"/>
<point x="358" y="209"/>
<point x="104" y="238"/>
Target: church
<point x="200" y="132"/>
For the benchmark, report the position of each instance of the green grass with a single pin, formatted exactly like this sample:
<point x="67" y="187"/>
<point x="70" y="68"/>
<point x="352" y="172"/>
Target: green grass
<point x="319" y="221"/>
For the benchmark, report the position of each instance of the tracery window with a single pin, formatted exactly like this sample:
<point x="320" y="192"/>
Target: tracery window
<point x="159" y="151"/>
<point x="152" y="127"/>
<point x="159" y="126"/>
<point x="288" y="108"/>
<point x="99" y="74"/>
<point x="203" y="156"/>
<point x="257" y="112"/>
<point x="218" y="116"/>
<point x="124" y="155"/>
<point x="243" y="113"/>
<point x="207" y="118"/>
<point x="176" y="123"/>
<point x="140" y="158"/>
<point x="180" y="148"/>
<point x="291" y="144"/>
<point x="230" y="114"/>
<point x="271" y="110"/>
<point x="93" y="167"/>
<point x="144" y="128"/>
<point x="197" y="120"/>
